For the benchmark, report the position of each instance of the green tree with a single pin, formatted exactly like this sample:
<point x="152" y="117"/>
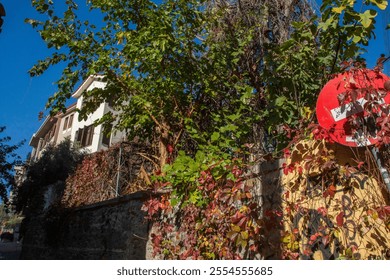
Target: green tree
<point x="204" y="80"/>
<point x="180" y="72"/>
<point x="183" y="74"/>
<point x="8" y="159"/>
<point x="326" y="44"/>
<point x="8" y="218"/>
<point x="49" y="171"/>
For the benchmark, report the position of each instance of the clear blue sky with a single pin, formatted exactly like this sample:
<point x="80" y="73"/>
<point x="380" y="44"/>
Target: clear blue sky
<point x="23" y="97"/>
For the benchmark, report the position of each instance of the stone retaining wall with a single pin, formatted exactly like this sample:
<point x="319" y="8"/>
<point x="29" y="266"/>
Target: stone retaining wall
<point x="117" y="229"/>
<point x="113" y="229"/>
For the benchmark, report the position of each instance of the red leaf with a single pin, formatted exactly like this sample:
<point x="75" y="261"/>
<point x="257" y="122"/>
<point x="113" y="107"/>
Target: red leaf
<point x="360" y="164"/>
<point x="340" y="219"/>
<point x="170" y="148"/>
<point x="287" y="153"/>
<point x="332" y="191"/>
<point x="383" y="212"/>
<point x="323" y="211"/>
<point x="254" y="248"/>
<point x="325" y="240"/>
<point x="313" y="238"/>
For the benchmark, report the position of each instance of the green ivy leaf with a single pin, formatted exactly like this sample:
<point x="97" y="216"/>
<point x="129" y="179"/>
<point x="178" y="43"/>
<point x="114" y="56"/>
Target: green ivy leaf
<point x="381" y="4"/>
<point x="215" y="136"/>
<point x="366" y="18"/>
<point x="356" y="39"/>
<point x="339" y="10"/>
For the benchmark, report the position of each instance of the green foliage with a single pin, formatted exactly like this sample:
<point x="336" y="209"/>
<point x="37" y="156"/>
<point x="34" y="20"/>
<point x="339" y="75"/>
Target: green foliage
<point x="8" y="160"/>
<point x="297" y="69"/>
<point x="200" y="80"/>
<point x="211" y="208"/>
<point x="51" y="170"/>
<point x="166" y="74"/>
<point x="8" y="218"/>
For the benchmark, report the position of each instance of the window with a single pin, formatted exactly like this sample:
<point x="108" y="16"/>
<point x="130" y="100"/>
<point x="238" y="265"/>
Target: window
<point x="65" y="123"/>
<point x="110" y="101"/>
<point x="84" y="136"/>
<point x="68" y="122"/>
<point x="106" y="136"/>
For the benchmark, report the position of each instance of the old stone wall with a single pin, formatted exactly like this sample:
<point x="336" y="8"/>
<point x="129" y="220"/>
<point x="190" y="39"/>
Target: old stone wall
<point x="117" y="228"/>
<point x="113" y="229"/>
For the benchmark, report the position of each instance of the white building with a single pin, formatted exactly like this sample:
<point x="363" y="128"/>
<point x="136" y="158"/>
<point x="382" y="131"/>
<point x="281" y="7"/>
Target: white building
<point x="85" y="133"/>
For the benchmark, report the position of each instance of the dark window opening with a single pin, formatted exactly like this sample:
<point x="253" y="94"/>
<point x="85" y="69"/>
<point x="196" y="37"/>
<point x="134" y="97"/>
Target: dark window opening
<point x="65" y="123"/>
<point x="68" y="122"/>
<point x="107" y="135"/>
<point x="84" y="136"/>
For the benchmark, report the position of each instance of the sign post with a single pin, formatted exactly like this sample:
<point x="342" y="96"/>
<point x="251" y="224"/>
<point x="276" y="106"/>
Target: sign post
<point x="346" y="97"/>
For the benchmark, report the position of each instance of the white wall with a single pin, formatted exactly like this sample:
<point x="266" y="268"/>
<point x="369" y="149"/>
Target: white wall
<point x="77" y="124"/>
<point x="98" y="130"/>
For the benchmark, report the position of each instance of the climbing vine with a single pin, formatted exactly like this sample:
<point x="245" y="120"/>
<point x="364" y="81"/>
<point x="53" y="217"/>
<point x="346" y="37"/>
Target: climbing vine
<point x="107" y="174"/>
<point x="211" y="211"/>
<point x="205" y="81"/>
<point x="333" y="207"/>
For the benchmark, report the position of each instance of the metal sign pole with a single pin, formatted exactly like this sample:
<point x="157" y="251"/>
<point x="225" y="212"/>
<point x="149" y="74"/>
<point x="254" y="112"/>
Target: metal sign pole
<point x="118" y="171"/>
<point x="382" y="169"/>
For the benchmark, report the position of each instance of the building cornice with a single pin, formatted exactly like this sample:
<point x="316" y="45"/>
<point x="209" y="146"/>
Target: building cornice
<point x="92" y="78"/>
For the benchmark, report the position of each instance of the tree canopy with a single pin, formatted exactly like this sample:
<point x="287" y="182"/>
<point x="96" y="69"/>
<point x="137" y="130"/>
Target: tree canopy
<point x="206" y="83"/>
<point x="194" y="73"/>
<point x="49" y="171"/>
<point x="8" y="159"/>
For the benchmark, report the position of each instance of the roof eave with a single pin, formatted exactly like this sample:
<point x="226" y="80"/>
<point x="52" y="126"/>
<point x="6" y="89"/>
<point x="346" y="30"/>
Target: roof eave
<point x="79" y="91"/>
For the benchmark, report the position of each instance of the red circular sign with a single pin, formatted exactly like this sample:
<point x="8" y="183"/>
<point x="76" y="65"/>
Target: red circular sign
<point x="334" y="105"/>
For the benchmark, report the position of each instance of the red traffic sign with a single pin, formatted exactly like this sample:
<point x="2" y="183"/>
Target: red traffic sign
<point x="335" y="106"/>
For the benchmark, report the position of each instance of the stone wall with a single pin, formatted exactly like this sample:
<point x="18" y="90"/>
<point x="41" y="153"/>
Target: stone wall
<point x="117" y="229"/>
<point x="113" y="229"/>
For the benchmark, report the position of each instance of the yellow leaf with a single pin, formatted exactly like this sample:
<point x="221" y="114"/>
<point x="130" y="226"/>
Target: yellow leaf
<point x="356" y="39"/>
<point x="381" y="4"/>
<point x="339" y="10"/>
<point x="236" y="228"/>
<point x="375" y="215"/>
<point x="244" y="235"/>
<point x="318" y="255"/>
<point x="306" y="112"/>
<point x="366" y="18"/>
<point x="243" y="243"/>
<point x="295" y="246"/>
<point x="286" y="238"/>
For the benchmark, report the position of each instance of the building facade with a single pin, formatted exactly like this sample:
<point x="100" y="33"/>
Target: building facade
<point x="83" y="133"/>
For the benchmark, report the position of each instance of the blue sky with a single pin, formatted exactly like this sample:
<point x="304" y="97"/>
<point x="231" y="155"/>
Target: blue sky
<point x="23" y="97"/>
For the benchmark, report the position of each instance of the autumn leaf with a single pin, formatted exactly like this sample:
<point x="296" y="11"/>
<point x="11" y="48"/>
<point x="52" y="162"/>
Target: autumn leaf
<point x="325" y="240"/>
<point x="236" y="228"/>
<point x="339" y="10"/>
<point x="331" y="191"/>
<point x="340" y="219"/>
<point x="381" y="4"/>
<point x="244" y="235"/>
<point x="323" y="211"/>
<point x="383" y="212"/>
